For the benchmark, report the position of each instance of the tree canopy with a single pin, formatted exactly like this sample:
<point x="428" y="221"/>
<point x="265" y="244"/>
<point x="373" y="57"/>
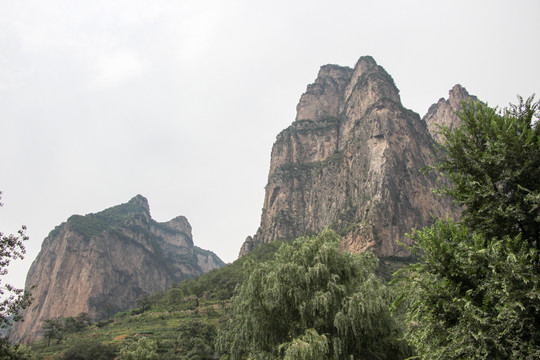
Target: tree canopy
<point x="493" y="162"/>
<point x="475" y="291"/>
<point x="312" y="301"/>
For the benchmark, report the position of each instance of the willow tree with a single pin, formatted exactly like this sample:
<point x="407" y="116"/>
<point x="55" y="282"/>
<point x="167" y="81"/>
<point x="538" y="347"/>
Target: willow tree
<point x="312" y="301"/>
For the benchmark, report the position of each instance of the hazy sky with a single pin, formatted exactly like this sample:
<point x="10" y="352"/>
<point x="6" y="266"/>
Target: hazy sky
<point x="181" y="101"/>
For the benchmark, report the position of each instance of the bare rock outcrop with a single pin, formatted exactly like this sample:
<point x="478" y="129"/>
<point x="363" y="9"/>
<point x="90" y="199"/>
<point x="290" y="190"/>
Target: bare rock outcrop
<point x="351" y="161"/>
<point x="444" y="112"/>
<point x="101" y="263"/>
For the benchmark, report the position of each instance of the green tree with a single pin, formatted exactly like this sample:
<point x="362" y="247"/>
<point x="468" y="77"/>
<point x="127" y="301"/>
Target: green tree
<point x="10" y="351"/>
<point x="144" y="302"/>
<point x="196" y="340"/>
<point x="312" y="293"/>
<point x="88" y="349"/>
<point x="143" y="349"/>
<point x="310" y="346"/>
<point x="493" y="162"/>
<point x="53" y="329"/>
<point x="60" y="328"/>
<point x="72" y="324"/>
<point x="475" y="291"/>
<point x="13" y="300"/>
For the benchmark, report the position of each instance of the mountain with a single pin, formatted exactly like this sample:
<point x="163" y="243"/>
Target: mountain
<point x="351" y="161"/>
<point x="101" y="263"/>
<point x="443" y="113"/>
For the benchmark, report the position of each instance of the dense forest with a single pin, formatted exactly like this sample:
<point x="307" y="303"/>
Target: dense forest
<point x="472" y="293"/>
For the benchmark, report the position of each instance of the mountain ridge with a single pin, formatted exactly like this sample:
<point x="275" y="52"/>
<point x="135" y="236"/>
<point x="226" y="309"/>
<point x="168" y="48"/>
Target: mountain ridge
<point x="100" y="263"/>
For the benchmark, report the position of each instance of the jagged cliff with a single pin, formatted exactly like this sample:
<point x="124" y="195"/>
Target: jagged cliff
<point x="351" y="161"/>
<point x="443" y="113"/>
<point x="101" y="263"/>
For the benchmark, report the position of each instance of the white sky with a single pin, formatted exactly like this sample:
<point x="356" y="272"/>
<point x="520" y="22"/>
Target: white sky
<point x="181" y="101"/>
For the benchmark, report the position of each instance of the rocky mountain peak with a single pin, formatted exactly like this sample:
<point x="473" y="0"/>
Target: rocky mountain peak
<point x="457" y="95"/>
<point x="181" y="224"/>
<point x="445" y="111"/>
<point x="101" y="263"/>
<point x="141" y="202"/>
<point x="369" y="84"/>
<point x="351" y="162"/>
<point x="322" y="99"/>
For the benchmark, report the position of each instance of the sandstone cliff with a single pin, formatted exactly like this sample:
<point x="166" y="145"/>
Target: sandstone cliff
<point x="351" y="161"/>
<point x="101" y="263"/>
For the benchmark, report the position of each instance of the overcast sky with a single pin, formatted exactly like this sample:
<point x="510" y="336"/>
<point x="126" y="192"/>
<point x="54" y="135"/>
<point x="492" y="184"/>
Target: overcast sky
<point x="181" y="101"/>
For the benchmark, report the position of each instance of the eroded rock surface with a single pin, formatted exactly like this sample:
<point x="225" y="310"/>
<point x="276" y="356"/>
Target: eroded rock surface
<point x="101" y="263"/>
<point x="351" y="161"/>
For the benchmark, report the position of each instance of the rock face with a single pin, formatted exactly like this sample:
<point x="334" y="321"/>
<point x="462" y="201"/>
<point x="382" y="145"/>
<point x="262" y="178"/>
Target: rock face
<point x="101" y="263"/>
<point x="443" y="113"/>
<point x="351" y="161"/>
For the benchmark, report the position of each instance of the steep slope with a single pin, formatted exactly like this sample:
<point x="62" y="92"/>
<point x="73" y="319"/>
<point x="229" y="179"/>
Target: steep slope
<point x="101" y="263"/>
<point x="351" y="161"/>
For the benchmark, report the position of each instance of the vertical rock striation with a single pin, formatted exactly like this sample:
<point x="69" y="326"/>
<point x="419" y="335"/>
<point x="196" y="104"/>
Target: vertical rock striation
<point x="351" y="161"/>
<point x="101" y="263"/>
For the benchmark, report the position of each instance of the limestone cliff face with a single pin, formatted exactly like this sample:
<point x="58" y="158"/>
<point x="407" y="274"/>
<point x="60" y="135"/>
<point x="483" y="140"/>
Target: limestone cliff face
<point x="444" y="112"/>
<point x="351" y="161"/>
<point x="101" y="263"/>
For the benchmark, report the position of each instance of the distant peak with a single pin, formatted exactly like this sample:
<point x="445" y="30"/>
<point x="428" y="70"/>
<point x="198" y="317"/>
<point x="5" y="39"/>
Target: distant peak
<point x="329" y="68"/>
<point x="140" y="201"/>
<point x="458" y="91"/>
<point x="366" y="61"/>
<point x="367" y="64"/>
<point x="367" y="73"/>
<point x="458" y="94"/>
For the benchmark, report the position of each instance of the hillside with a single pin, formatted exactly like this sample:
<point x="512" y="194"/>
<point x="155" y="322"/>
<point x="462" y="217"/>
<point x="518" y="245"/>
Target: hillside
<point x="101" y="263"/>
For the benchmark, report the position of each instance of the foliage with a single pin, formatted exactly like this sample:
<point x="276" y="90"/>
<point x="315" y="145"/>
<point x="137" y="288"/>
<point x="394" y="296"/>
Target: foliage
<point x="310" y="346"/>
<point x="59" y="328"/>
<point x="196" y="340"/>
<point x="89" y="350"/>
<point x="53" y="329"/>
<point x="12" y="300"/>
<point x="474" y="294"/>
<point x="170" y="317"/>
<point x="311" y="284"/>
<point x="472" y="298"/>
<point x="77" y="323"/>
<point x="144" y="302"/>
<point x="217" y="284"/>
<point x="493" y="161"/>
<point x="93" y="224"/>
<point x="16" y="352"/>
<point x="143" y="349"/>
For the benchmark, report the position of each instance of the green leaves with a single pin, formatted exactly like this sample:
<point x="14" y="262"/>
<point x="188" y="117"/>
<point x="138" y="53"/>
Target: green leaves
<point x="482" y="297"/>
<point x="493" y="161"/>
<point x="312" y="301"/>
<point x="13" y="300"/>
<point x="310" y="346"/>
<point x="474" y="293"/>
